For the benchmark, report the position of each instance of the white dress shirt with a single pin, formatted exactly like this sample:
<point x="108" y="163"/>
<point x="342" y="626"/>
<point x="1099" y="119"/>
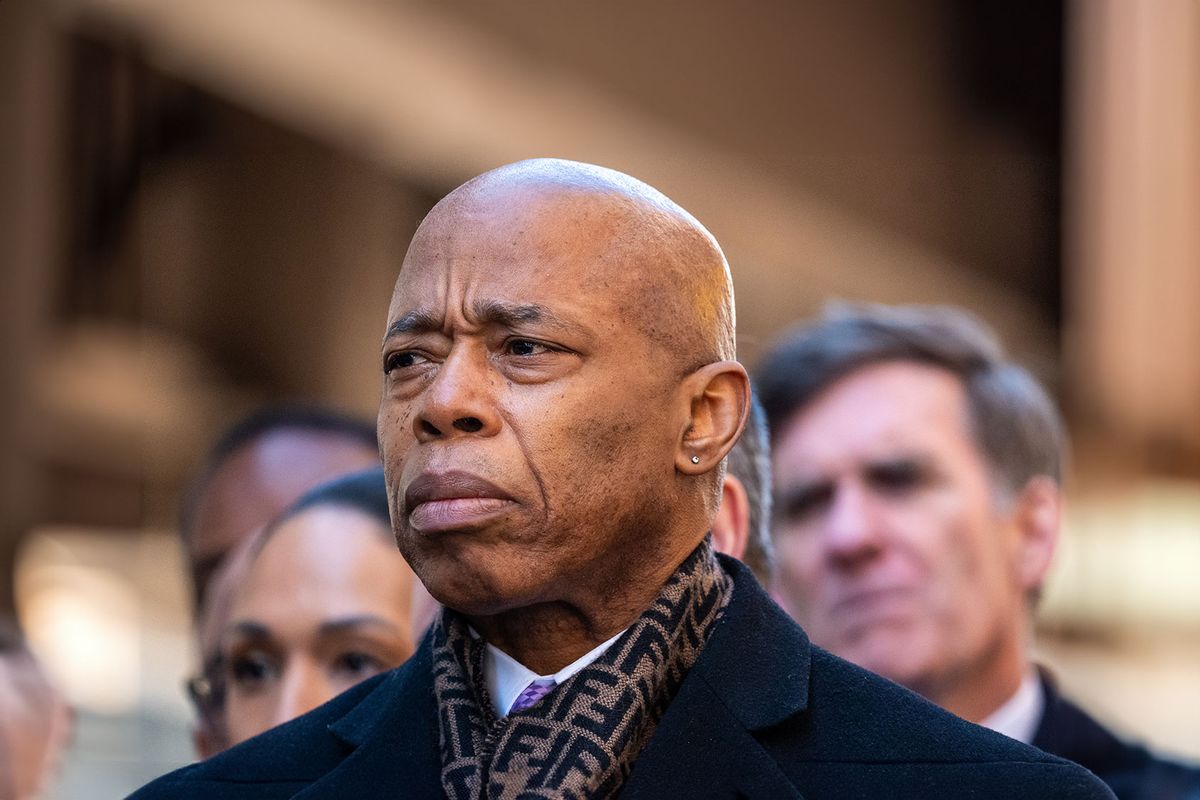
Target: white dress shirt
<point x="1018" y="718"/>
<point x="507" y="678"/>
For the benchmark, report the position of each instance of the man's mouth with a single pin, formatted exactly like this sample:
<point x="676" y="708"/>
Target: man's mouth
<point x="454" y="500"/>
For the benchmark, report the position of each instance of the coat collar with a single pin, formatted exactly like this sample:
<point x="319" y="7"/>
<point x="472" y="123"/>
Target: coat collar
<point x="398" y="692"/>
<point x="391" y="736"/>
<point x="752" y="674"/>
<point x="757" y="659"/>
<point x="1069" y="732"/>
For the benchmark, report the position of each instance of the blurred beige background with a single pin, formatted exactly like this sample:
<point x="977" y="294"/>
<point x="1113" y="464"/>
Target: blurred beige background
<point x="203" y="207"/>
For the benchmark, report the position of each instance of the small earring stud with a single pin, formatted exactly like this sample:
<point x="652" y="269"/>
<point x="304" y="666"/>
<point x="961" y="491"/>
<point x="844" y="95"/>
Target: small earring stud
<point x="695" y="459"/>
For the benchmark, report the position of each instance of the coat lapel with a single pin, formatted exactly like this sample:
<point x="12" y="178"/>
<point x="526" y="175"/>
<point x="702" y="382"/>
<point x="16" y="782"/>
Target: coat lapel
<point x="705" y="746"/>
<point x="392" y="738"/>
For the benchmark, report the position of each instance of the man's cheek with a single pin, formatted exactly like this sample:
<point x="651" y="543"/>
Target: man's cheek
<point x="393" y="430"/>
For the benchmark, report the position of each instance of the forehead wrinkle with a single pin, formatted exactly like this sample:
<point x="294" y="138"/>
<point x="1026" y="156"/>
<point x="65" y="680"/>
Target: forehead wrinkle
<point x="665" y="270"/>
<point x="513" y="315"/>
<point x="414" y="322"/>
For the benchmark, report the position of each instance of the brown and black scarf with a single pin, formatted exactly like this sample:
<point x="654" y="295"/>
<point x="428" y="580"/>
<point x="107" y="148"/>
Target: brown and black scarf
<point x="582" y="739"/>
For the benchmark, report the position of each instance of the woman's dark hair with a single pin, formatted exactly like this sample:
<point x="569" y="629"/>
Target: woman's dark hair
<point x="364" y="491"/>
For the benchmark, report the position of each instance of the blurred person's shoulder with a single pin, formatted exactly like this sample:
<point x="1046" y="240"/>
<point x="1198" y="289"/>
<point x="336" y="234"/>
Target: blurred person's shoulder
<point x="878" y="732"/>
<point x="1130" y="769"/>
<point x="852" y="733"/>
<point x="282" y="761"/>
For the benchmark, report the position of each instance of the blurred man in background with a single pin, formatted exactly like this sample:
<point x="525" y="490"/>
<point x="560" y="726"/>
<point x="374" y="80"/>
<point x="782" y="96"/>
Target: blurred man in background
<point x="259" y="467"/>
<point x="917" y="506"/>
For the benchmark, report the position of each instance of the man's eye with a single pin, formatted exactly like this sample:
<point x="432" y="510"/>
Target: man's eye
<point x="894" y="478"/>
<point x="797" y="505"/>
<point x="525" y="347"/>
<point x="402" y="360"/>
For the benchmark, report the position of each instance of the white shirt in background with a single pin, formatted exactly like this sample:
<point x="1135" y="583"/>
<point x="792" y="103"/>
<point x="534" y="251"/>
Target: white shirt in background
<point x="1018" y="718"/>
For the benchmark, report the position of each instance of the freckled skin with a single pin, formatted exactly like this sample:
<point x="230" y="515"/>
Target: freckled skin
<point x="584" y="433"/>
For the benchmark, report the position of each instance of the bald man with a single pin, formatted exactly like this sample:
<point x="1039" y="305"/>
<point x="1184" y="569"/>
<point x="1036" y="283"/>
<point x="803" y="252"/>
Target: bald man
<point x="559" y="396"/>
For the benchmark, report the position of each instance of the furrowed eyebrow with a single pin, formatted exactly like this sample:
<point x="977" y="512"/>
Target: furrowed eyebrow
<point x="487" y="312"/>
<point x="413" y="321"/>
<point x="914" y="465"/>
<point x="510" y="315"/>
<point x="801" y="493"/>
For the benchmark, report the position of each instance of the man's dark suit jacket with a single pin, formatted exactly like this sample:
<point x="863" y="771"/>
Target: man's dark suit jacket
<point x="1132" y="772"/>
<point x="762" y="714"/>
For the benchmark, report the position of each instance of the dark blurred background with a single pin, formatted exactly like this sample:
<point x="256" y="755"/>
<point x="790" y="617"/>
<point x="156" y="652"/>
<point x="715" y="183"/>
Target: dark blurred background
<point x="204" y="206"/>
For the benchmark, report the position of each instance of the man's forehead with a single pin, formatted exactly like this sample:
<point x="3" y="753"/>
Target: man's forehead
<point x="880" y="413"/>
<point x="547" y="223"/>
<point x="543" y="260"/>
<point x="813" y="457"/>
<point x="902" y="395"/>
<point x="589" y="243"/>
<point x="275" y="454"/>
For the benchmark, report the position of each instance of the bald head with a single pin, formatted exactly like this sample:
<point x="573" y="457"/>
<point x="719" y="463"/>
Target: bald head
<point x="640" y="246"/>
<point x="558" y="397"/>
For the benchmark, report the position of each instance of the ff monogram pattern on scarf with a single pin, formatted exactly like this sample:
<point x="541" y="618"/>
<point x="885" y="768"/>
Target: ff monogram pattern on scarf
<point x="582" y="739"/>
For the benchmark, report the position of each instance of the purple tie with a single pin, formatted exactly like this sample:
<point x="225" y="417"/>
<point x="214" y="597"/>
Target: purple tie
<point x="533" y="692"/>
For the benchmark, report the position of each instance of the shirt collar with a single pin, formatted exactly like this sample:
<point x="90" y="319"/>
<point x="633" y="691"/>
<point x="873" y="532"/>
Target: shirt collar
<point x="1019" y="716"/>
<point x="507" y="678"/>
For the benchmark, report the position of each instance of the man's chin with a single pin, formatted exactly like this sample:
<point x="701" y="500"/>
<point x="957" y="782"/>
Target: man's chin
<point x="478" y="593"/>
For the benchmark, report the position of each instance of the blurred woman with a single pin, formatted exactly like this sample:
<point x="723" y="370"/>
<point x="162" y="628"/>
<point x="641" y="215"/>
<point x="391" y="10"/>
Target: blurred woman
<point x="35" y="720"/>
<point x="321" y="601"/>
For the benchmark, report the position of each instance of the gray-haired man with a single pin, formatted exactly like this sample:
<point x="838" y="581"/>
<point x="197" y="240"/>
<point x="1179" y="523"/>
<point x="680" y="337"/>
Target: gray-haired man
<point x="918" y="490"/>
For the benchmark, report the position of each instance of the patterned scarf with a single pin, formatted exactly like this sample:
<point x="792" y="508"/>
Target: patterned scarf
<point x="582" y="739"/>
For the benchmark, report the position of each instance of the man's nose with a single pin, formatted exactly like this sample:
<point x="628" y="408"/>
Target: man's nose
<point x="852" y="526"/>
<point x="303" y="688"/>
<point x="460" y="401"/>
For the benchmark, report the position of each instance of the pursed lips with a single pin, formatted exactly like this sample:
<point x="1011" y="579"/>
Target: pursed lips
<point x="443" y="501"/>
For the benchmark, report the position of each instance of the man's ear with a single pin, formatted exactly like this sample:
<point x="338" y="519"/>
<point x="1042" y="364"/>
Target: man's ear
<point x="1038" y="519"/>
<point x="718" y="398"/>
<point x="731" y="527"/>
